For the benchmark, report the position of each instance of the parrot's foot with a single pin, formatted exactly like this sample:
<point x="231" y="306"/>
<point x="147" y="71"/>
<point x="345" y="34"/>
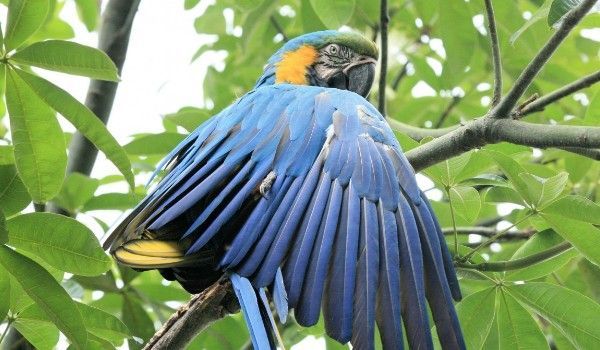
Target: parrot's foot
<point x="266" y="184"/>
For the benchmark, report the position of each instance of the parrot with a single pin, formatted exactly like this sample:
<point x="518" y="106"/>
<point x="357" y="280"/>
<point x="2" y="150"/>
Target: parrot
<point x="300" y="194"/>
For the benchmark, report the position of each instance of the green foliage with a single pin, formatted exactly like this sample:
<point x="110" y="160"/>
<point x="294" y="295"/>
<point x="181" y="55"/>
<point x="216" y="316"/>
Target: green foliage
<point x="439" y="45"/>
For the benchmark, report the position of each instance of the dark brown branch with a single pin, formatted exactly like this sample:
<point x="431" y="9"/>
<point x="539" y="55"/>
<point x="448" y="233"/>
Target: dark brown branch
<point x="506" y="105"/>
<point x="540" y="103"/>
<point x="495" y="52"/>
<point x="201" y="311"/>
<point x="384" y="19"/>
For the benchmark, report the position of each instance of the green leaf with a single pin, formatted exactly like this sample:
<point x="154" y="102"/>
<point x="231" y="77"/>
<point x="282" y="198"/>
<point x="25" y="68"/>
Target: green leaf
<point x="13" y="193"/>
<point x="4" y="293"/>
<point x="476" y="315"/>
<point x="189" y="4"/>
<point x="447" y="171"/>
<point x="310" y="20"/>
<point x="112" y="201"/>
<point x="47" y="294"/>
<point x="82" y="118"/>
<point x="76" y="191"/>
<point x="25" y="17"/>
<point x="41" y="334"/>
<point x="89" y="12"/>
<point x="38" y="140"/>
<point x="543" y="191"/>
<point x="466" y="202"/>
<point x="212" y="21"/>
<point x="103" y="324"/>
<point x="591" y="275"/>
<point x="68" y="57"/>
<point x="511" y="169"/>
<point x="62" y="242"/>
<point x="7" y="156"/>
<point x="3" y="231"/>
<point x="539" y="242"/>
<point x="105" y="282"/>
<point x="154" y="143"/>
<point x="502" y="195"/>
<point x="575" y="207"/>
<point x="517" y="329"/>
<point x="559" y="8"/>
<point x="575" y="315"/>
<point x="592" y="112"/>
<point x="189" y="118"/>
<point x="459" y="43"/>
<point x="537" y="16"/>
<point x="585" y="237"/>
<point x="334" y="13"/>
<point x="137" y="320"/>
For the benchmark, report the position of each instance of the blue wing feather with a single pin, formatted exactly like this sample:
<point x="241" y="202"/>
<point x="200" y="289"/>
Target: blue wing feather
<point x="341" y="224"/>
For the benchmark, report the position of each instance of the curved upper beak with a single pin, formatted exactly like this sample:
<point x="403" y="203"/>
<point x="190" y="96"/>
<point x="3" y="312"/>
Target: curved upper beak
<point x="361" y="75"/>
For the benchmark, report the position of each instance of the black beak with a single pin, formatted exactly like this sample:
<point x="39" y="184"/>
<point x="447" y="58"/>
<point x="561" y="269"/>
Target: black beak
<point x="360" y="78"/>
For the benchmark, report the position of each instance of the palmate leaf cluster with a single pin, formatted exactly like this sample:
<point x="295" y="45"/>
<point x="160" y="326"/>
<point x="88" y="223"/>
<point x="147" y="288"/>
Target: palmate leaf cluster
<point x="54" y="277"/>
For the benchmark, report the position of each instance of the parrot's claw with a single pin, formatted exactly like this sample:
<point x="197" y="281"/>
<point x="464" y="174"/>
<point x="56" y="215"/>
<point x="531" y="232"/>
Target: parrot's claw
<point x="266" y="184"/>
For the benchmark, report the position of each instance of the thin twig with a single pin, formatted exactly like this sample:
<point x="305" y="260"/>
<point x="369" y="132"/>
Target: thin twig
<point x="518" y="263"/>
<point x="495" y="52"/>
<point x="487" y="232"/>
<point x="400" y="76"/>
<point x="586" y="152"/>
<point x="540" y="103"/>
<point x="417" y="133"/>
<point x="455" y="100"/>
<point x="278" y="28"/>
<point x="384" y="19"/>
<point x="505" y="106"/>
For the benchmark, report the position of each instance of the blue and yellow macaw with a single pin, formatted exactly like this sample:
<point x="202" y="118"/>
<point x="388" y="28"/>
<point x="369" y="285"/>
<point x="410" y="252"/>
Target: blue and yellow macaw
<point x="300" y="188"/>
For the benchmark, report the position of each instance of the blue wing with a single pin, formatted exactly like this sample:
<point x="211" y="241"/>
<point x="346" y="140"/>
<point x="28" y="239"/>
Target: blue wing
<point x="313" y="182"/>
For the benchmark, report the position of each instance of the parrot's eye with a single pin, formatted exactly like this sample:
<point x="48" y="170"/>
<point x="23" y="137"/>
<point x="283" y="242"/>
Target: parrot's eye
<point x="333" y="49"/>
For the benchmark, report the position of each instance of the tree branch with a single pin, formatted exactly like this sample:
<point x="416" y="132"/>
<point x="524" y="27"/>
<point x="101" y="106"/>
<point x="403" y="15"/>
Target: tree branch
<point x="495" y="52"/>
<point x="487" y="232"/>
<point x="384" y="18"/>
<point x="505" y="106"/>
<point x="201" y="311"/>
<point x="540" y="103"/>
<point x="518" y="263"/>
<point x="417" y="133"/>
<point x="480" y="132"/>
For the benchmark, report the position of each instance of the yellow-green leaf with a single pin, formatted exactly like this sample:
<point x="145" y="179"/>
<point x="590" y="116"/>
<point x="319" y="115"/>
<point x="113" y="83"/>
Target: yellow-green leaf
<point x="47" y="294"/>
<point x="82" y="118"/>
<point x="60" y="241"/>
<point x="25" y="17"/>
<point x="584" y="236"/>
<point x="68" y="57"/>
<point x="39" y="143"/>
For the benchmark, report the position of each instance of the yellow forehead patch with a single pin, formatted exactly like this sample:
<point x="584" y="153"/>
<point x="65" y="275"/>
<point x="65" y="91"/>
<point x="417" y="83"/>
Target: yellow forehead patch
<point x="292" y="67"/>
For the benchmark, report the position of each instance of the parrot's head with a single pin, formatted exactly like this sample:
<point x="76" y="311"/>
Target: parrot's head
<point x="342" y="60"/>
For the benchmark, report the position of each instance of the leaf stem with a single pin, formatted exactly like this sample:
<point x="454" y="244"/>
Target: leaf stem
<point x="518" y="263"/>
<point x="453" y="220"/>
